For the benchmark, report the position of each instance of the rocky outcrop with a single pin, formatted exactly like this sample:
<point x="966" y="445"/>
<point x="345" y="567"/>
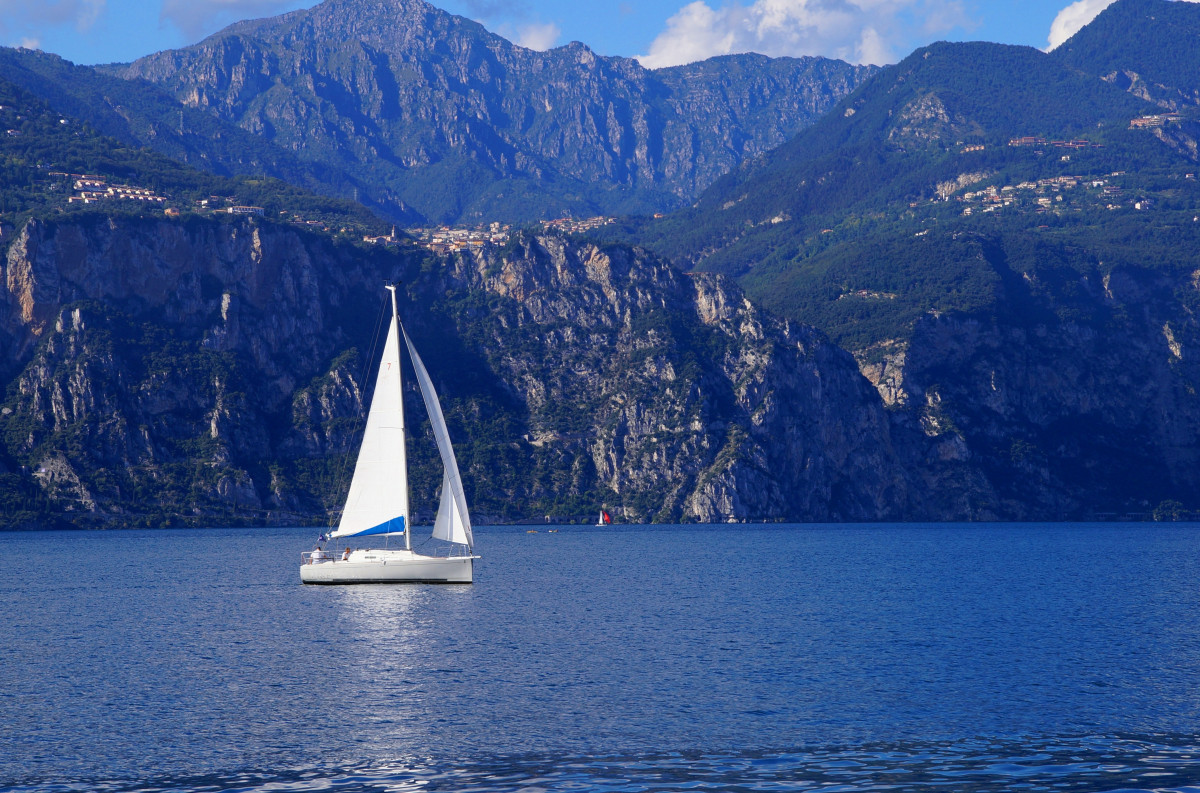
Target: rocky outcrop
<point x="694" y="404"/>
<point x="151" y="357"/>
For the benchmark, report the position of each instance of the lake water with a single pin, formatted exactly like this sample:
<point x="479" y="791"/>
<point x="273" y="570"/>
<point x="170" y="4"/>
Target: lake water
<point x="814" y="658"/>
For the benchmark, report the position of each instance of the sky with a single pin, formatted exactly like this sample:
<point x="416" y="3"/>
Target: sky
<point x="657" y="32"/>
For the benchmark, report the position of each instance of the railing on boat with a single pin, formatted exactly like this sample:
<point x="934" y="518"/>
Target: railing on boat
<point x="307" y="557"/>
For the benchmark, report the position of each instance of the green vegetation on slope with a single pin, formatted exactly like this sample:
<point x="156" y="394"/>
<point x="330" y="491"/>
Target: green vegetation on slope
<point x="1152" y="39"/>
<point x="876" y="214"/>
<point x="37" y="141"/>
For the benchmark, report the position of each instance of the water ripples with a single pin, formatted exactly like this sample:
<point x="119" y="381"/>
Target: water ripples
<point x="655" y="659"/>
<point x="1078" y="765"/>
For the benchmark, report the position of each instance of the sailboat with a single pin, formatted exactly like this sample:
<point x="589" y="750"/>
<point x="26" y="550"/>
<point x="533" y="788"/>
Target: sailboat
<point x="378" y="501"/>
<point x="605" y="519"/>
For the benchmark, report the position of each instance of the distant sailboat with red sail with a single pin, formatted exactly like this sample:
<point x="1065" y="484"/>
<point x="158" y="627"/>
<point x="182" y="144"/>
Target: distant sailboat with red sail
<point x="605" y="519"/>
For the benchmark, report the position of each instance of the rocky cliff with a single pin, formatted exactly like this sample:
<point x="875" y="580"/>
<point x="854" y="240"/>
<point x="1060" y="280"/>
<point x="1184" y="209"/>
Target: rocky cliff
<point x="673" y="396"/>
<point x="151" y="362"/>
<point x="204" y="372"/>
<point x="208" y="372"/>
<point x="436" y="113"/>
<point x="1074" y="395"/>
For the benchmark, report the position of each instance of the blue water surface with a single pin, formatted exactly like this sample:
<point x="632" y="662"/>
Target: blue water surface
<point x="823" y="658"/>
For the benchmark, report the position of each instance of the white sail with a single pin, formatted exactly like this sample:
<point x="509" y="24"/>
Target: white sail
<point x="453" y="521"/>
<point x="450" y="525"/>
<point x="378" y="499"/>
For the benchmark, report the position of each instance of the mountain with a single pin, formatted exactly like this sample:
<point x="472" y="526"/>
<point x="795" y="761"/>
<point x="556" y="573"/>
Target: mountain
<point x="1147" y="47"/>
<point x="204" y="366"/>
<point x="952" y="133"/>
<point x="943" y="116"/>
<point x="431" y="111"/>
<point x="1003" y="242"/>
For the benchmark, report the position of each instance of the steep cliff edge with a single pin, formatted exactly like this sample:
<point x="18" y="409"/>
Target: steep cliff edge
<point x="156" y="363"/>
<point x="164" y="372"/>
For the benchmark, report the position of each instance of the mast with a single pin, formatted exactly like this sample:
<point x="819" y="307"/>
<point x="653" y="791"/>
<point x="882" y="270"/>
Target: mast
<point x="403" y="434"/>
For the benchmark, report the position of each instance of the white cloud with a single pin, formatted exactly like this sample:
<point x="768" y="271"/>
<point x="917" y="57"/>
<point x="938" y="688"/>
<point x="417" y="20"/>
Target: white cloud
<point x="873" y="49"/>
<point x="23" y="15"/>
<point x="198" y="18"/>
<point x="1072" y="18"/>
<point x="538" y="37"/>
<point x="862" y="31"/>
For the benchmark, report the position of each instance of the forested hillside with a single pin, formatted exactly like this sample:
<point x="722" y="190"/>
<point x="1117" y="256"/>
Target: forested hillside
<point x="1147" y="47"/>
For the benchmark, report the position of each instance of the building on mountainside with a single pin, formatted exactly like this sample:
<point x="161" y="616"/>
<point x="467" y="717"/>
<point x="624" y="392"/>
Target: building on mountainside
<point x="90" y="189"/>
<point x="1157" y="120"/>
<point x="447" y="239"/>
<point x="385" y="239"/>
<point x="239" y="210"/>
<point x="572" y="226"/>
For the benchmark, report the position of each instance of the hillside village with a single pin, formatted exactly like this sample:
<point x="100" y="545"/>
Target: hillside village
<point x="88" y="189"/>
<point x="1109" y="192"/>
<point x="452" y="239"/>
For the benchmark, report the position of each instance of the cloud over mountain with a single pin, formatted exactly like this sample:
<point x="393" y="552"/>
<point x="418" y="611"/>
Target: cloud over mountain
<point x="860" y="31"/>
<point x="1072" y="18"/>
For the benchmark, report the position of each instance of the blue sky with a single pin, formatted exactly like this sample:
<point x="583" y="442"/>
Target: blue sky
<point x="659" y="32"/>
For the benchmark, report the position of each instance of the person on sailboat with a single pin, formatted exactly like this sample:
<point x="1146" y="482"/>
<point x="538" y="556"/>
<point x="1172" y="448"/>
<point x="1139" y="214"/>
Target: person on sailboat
<point x="318" y="555"/>
<point x="346" y="555"/>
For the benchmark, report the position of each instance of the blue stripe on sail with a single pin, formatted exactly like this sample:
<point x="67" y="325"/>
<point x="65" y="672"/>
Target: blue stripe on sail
<point x="393" y="526"/>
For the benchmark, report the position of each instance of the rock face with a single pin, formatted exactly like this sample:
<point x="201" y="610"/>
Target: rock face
<point x="154" y="357"/>
<point x="210" y="372"/>
<point x="1073" y="397"/>
<point x="436" y="112"/>
<point x="682" y="400"/>
<point x="214" y="372"/>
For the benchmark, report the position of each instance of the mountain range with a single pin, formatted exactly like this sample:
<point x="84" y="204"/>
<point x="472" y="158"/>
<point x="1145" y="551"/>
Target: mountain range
<point x="1001" y="242"/>
<point x="432" y="117"/>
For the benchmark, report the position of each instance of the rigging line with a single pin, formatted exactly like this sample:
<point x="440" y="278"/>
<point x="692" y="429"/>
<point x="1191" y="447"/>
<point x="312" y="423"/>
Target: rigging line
<point x="362" y="413"/>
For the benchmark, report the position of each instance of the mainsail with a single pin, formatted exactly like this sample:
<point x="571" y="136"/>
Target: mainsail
<point x="453" y="521"/>
<point x="378" y="498"/>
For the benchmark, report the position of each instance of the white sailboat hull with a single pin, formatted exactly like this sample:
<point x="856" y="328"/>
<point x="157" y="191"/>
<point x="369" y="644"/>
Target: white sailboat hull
<point x="389" y="567"/>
